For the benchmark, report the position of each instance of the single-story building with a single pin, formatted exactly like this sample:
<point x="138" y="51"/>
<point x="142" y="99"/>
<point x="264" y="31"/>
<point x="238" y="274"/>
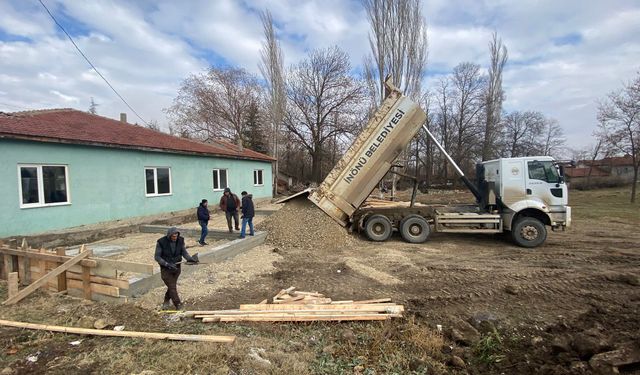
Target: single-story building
<point x="616" y="167"/>
<point x="64" y="168"/>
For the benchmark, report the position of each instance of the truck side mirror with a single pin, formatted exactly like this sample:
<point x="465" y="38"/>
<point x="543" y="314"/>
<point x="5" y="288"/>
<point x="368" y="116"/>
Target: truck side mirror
<point x="561" y="174"/>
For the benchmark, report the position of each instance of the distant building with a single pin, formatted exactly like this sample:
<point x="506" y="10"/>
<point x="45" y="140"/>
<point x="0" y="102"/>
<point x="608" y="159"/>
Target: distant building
<point x="610" y="171"/>
<point x="63" y="168"/>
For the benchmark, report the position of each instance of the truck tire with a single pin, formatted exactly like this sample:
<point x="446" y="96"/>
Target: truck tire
<point x="378" y="228"/>
<point x="528" y="232"/>
<point x="415" y="229"/>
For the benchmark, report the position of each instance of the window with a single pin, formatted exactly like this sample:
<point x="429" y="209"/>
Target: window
<point x="158" y="181"/>
<point x="43" y="185"/>
<point x="257" y="177"/>
<point x="543" y="170"/>
<point x="220" y="179"/>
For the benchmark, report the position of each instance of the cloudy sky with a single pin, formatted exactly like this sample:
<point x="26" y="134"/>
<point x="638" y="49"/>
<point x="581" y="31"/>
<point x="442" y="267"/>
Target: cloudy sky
<point x="563" y="55"/>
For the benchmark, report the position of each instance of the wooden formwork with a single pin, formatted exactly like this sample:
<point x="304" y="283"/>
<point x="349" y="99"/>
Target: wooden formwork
<point x="81" y="275"/>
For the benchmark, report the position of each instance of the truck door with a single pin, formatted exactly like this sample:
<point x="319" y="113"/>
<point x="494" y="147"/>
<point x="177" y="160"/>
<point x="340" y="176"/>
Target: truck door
<point x="543" y="183"/>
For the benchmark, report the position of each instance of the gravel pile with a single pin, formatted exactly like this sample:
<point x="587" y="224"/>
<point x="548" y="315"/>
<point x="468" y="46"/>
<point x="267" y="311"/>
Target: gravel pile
<point x="300" y="224"/>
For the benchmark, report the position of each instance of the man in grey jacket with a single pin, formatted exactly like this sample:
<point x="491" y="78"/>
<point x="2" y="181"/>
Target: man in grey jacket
<point x="170" y="250"/>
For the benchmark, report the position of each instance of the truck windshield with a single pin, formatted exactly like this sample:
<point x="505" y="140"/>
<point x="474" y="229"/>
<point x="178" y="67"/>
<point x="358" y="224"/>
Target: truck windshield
<point x="543" y="170"/>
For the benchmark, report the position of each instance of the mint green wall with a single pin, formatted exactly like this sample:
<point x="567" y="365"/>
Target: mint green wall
<point x="108" y="184"/>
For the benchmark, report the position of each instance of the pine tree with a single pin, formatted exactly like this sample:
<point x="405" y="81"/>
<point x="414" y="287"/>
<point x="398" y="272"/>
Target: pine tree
<point x="253" y="134"/>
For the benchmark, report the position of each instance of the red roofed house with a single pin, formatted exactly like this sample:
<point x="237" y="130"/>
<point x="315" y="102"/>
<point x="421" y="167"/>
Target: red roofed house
<point x="610" y="171"/>
<point x="63" y="168"/>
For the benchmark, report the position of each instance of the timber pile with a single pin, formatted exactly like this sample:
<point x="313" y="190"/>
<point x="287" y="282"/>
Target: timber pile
<point x="81" y="275"/>
<point x="297" y="306"/>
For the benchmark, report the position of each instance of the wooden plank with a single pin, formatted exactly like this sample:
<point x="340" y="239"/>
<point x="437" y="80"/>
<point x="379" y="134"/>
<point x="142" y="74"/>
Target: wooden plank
<point x="381" y="307"/>
<point x="42" y="264"/>
<point x="270" y="313"/>
<point x="8" y="265"/>
<point x="86" y="283"/>
<point x="110" y="266"/>
<point x="341" y="302"/>
<point x="122" y="284"/>
<point x="263" y="302"/>
<point x="369" y="301"/>
<point x="12" y="284"/>
<point x="46" y="256"/>
<point x="43" y="280"/>
<point x="311" y="294"/>
<point x="62" y="278"/>
<point x="107" y="290"/>
<point x="297" y="318"/>
<point x="293" y="315"/>
<point x="100" y="332"/>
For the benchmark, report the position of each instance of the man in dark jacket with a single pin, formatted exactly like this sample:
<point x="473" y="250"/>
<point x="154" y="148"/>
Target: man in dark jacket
<point x="170" y="250"/>
<point x="203" y="220"/>
<point x="248" y="212"/>
<point x="229" y="204"/>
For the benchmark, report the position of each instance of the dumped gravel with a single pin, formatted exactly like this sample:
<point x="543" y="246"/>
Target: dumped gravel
<point x="300" y="224"/>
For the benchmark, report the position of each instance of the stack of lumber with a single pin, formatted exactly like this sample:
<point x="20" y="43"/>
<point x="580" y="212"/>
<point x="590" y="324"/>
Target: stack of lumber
<point x="297" y="306"/>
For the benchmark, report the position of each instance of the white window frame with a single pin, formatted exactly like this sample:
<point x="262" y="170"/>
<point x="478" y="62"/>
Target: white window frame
<point x="155" y="182"/>
<point x="256" y="180"/>
<point x="41" y="202"/>
<point x="214" y="170"/>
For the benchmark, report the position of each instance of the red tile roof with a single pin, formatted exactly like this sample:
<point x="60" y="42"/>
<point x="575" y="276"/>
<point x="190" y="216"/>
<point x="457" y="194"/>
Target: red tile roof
<point x="77" y="127"/>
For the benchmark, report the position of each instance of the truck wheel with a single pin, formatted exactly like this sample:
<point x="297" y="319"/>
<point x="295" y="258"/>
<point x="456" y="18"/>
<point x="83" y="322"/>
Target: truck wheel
<point x="378" y="228"/>
<point x="528" y="232"/>
<point x="415" y="229"/>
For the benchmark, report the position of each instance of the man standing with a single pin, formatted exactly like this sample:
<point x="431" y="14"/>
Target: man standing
<point x="203" y="220"/>
<point x="248" y="212"/>
<point x="170" y="250"/>
<point x="229" y="204"/>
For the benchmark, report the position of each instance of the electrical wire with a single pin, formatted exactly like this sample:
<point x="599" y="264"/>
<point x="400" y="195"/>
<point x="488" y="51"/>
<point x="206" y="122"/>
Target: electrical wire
<point x="91" y="64"/>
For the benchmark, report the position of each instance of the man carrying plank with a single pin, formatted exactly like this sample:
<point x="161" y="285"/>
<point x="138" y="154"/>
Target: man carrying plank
<point x="170" y="250"/>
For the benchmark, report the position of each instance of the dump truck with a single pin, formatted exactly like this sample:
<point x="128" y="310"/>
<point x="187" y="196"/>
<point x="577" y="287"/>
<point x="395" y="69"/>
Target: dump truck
<point x="522" y="196"/>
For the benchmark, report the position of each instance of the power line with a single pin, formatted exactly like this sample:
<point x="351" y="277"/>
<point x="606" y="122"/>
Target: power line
<point x="90" y="63"/>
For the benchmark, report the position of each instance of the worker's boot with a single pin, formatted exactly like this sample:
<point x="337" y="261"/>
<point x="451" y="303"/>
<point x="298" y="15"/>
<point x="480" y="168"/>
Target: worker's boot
<point x="180" y="306"/>
<point x="166" y="305"/>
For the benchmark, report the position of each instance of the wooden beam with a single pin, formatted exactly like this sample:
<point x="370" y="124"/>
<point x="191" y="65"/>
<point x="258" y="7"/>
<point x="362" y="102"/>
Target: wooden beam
<point x="369" y="301"/>
<point x="43" y="280"/>
<point x="296" y="318"/>
<point x="110" y="266"/>
<point x="106" y="290"/>
<point x="122" y="284"/>
<point x="86" y="282"/>
<point x="12" y="284"/>
<point x="46" y="256"/>
<point x="100" y="332"/>
<point x="381" y="307"/>
<point x="62" y="278"/>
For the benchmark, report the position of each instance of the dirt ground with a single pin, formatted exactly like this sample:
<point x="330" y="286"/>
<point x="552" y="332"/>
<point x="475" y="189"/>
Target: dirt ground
<point x="475" y="304"/>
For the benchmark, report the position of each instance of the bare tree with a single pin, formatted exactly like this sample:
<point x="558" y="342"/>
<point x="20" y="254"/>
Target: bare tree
<point x="215" y="104"/>
<point x="93" y="107"/>
<point x="444" y="119"/>
<point x="468" y="86"/>
<point x="553" y="143"/>
<point x="271" y="67"/>
<point x="398" y="41"/>
<point x="493" y="97"/>
<point x="619" y="125"/>
<point x="522" y="132"/>
<point x="153" y="125"/>
<point x="317" y="88"/>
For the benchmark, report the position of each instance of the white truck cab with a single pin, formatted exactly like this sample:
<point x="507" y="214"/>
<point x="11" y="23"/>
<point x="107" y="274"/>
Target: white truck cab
<point x="528" y="188"/>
